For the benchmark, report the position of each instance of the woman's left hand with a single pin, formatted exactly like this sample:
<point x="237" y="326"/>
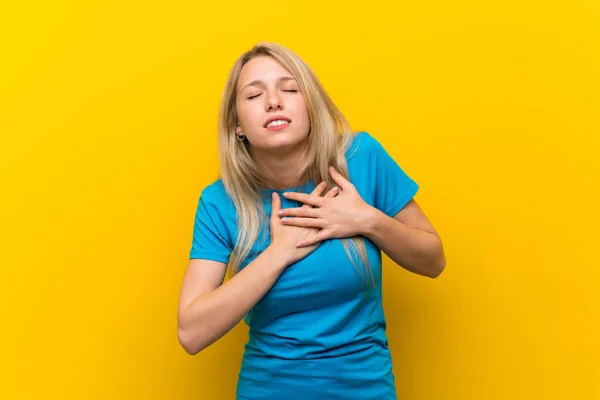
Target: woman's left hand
<point x="344" y="215"/>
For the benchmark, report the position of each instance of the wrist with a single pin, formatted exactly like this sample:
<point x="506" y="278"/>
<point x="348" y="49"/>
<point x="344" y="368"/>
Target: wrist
<point x="371" y="221"/>
<point x="276" y="257"/>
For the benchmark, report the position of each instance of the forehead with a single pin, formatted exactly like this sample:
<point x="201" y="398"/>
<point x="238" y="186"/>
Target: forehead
<point x="262" y="68"/>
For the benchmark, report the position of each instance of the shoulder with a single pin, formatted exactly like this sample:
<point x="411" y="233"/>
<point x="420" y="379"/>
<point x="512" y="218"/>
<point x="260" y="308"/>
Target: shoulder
<point x="362" y="144"/>
<point x="214" y="204"/>
<point x="215" y="193"/>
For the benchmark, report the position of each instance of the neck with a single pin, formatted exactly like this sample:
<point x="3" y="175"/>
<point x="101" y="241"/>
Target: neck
<point x="281" y="167"/>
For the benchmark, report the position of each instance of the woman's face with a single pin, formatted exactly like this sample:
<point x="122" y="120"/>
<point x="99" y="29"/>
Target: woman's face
<point x="266" y="89"/>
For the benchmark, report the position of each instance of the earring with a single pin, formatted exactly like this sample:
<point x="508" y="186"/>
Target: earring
<point x="242" y="137"/>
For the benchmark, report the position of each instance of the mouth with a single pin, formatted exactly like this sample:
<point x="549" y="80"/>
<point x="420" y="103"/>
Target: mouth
<point x="277" y="122"/>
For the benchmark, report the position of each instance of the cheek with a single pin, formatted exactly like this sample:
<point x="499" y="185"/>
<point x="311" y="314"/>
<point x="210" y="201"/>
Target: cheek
<point x="301" y="110"/>
<point x="248" y="115"/>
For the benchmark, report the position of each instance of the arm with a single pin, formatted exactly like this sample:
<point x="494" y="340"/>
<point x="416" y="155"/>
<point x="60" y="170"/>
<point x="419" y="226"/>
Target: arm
<point x="209" y="309"/>
<point x="408" y="239"/>
<point x="204" y="318"/>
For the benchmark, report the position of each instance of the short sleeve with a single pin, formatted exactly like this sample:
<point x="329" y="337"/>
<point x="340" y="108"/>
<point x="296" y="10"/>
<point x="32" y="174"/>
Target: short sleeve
<point x="393" y="187"/>
<point x="210" y="238"/>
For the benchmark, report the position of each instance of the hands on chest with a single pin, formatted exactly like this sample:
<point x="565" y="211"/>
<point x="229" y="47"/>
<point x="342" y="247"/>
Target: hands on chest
<point x="340" y="213"/>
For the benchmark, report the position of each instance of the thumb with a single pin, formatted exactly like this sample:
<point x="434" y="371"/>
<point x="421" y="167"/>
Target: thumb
<point x="275" y="206"/>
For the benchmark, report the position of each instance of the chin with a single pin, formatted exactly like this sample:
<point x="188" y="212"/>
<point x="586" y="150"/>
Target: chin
<point x="286" y="139"/>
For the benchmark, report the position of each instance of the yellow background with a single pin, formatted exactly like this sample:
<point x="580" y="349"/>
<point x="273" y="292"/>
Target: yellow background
<point x="108" y="133"/>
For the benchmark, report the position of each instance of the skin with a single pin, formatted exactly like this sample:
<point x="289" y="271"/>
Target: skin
<point x="266" y="88"/>
<point x="276" y="152"/>
<point x="408" y="238"/>
<point x="209" y="308"/>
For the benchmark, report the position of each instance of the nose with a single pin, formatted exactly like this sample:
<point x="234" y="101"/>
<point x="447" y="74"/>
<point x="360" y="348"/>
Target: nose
<point x="274" y="102"/>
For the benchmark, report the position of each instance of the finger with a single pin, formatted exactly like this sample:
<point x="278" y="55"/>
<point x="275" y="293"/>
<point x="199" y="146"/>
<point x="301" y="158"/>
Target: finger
<point x="338" y="178"/>
<point x="300" y="212"/>
<point x="320" y="236"/>
<point x="303" y="222"/>
<point x="275" y="205"/>
<point x="309" y="199"/>
<point x="316" y="192"/>
<point x="332" y="192"/>
<point x="319" y="188"/>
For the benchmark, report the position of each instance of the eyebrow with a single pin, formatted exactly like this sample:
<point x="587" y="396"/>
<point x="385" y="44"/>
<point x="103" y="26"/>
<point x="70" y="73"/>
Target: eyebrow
<point x="258" y="82"/>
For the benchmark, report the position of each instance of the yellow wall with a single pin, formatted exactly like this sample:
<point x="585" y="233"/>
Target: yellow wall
<point x="107" y="122"/>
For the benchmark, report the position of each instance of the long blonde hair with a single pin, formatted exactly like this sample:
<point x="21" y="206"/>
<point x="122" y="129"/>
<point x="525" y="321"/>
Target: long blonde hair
<point x="329" y="138"/>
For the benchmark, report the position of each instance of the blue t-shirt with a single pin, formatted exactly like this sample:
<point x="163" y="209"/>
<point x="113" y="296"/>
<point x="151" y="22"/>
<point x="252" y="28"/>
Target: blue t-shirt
<point x="318" y="333"/>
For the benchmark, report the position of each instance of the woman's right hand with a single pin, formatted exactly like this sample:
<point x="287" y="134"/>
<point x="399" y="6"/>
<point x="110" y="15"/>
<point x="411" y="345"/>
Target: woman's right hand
<point x="285" y="237"/>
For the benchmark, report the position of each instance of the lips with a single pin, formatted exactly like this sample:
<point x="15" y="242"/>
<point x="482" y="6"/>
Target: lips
<point x="276" y="117"/>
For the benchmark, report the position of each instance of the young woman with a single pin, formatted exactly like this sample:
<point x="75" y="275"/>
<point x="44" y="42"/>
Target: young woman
<point x="302" y="210"/>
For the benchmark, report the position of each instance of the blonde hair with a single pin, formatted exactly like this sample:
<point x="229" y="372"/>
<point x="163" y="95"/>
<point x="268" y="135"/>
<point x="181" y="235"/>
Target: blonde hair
<point x="330" y="136"/>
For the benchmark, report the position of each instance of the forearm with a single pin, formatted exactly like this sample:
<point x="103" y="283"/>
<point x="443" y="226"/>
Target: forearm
<point x="212" y="315"/>
<point x="415" y="250"/>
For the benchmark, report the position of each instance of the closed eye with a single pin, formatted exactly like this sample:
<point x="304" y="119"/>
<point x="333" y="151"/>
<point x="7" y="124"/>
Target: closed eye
<point x="256" y="95"/>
